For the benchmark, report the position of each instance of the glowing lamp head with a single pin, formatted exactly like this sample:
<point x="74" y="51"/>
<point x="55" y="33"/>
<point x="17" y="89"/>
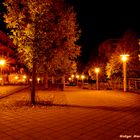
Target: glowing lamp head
<point x="69" y="78"/>
<point x="16" y="77"/>
<point x="97" y="70"/>
<point x="24" y="76"/>
<point x="38" y="79"/>
<point x="2" y="62"/>
<point x="72" y="76"/>
<point x="30" y="80"/>
<point x="82" y="76"/>
<point x="124" y="57"/>
<point x="77" y="76"/>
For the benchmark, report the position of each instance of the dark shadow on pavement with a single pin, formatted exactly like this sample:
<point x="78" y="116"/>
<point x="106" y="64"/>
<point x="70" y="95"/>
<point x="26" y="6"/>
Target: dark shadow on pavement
<point x="105" y="108"/>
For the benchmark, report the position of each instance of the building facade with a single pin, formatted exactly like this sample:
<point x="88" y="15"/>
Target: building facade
<point x="10" y="68"/>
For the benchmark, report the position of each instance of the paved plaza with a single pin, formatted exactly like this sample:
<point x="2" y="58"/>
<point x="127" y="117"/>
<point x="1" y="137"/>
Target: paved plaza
<point x="72" y="114"/>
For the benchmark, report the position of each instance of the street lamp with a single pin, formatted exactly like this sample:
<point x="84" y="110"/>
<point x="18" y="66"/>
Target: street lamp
<point x="38" y="80"/>
<point x="24" y="78"/>
<point x="124" y="58"/>
<point x="72" y="77"/>
<point x="69" y="78"/>
<point x="97" y="70"/>
<point x="77" y="77"/>
<point x="2" y="63"/>
<point x="82" y="77"/>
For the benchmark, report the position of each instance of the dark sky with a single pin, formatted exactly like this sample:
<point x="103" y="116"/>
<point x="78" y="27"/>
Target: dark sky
<point x="100" y="20"/>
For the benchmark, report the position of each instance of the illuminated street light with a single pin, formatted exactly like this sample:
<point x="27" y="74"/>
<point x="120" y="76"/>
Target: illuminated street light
<point x="38" y="80"/>
<point x="72" y="75"/>
<point x="82" y="77"/>
<point x="77" y="76"/>
<point x="16" y="77"/>
<point x="24" y="76"/>
<point x="30" y="80"/>
<point x="70" y="78"/>
<point x="2" y="63"/>
<point x="97" y="70"/>
<point x="124" y="59"/>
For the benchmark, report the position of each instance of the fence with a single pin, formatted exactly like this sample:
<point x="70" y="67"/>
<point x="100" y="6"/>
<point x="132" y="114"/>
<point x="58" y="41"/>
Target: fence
<point x="133" y="84"/>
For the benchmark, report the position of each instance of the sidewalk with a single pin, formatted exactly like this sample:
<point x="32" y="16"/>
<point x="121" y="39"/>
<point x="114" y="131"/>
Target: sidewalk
<point x="77" y="115"/>
<point x="10" y="89"/>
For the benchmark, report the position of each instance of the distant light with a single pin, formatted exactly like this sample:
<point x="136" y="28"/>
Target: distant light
<point x="16" y="77"/>
<point x="72" y="75"/>
<point x="69" y="78"/>
<point x="139" y="56"/>
<point x="97" y="70"/>
<point x="38" y="79"/>
<point x="124" y="57"/>
<point x="82" y="76"/>
<point x="2" y="62"/>
<point x="30" y="80"/>
<point x="77" y="76"/>
<point x="24" y="76"/>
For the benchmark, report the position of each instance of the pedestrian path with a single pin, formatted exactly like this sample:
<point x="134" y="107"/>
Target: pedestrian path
<point x="10" y="89"/>
<point x="76" y="115"/>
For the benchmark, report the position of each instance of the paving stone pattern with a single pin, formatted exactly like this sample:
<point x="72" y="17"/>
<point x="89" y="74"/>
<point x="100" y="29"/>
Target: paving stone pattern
<point x="76" y="115"/>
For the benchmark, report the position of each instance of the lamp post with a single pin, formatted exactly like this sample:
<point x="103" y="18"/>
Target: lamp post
<point x="24" y="78"/>
<point x="97" y="70"/>
<point x="72" y="76"/>
<point x="2" y="63"/>
<point x="77" y="77"/>
<point x="124" y="58"/>
<point x="38" y="80"/>
<point x="82" y="77"/>
<point x="69" y="78"/>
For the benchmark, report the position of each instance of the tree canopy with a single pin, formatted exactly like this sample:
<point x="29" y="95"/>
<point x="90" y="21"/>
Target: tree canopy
<point x="44" y="31"/>
<point x="128" y="44"/>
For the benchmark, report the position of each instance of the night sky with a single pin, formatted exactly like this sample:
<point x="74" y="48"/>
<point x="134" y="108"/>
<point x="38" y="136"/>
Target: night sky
<point x="100" y="21"/>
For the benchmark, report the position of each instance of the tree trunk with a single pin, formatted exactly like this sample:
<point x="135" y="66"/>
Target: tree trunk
<point x="33" y="84"/>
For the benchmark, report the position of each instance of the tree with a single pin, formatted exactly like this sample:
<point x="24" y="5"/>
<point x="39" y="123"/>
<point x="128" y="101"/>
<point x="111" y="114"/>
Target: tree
<point x="107" y="48"/>
<point x="66" y="48"/>
<point x="128" y="44"/>
<point x="40" y="33"/>
<point x="94" y="64"/>
<point x="60" y="59"/>
<point x="28" y="23"/>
